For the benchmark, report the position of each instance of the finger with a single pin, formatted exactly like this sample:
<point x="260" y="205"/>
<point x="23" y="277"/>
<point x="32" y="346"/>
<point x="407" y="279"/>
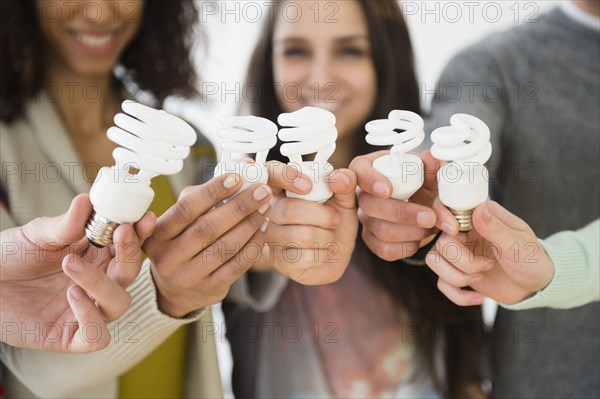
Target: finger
<point x="127" y="261"/>
<point x="396" y="211"/>
<point x="431" y="167"/>
<point x="392" y="232"/>
<point x="235" y="267"/>
<point x="284" y="177"/>
<point x="62" y="230"/>
<point x="112" y="300"/>
<point x="450" y="274"/>
<point x="462" y="255"/>
<point x="499" y="226"/>
<point x="343" y="184"/>
<point x="193" y="202"/>
<point x="227" y="247"/>
<point x="90" y="321"/>
<point x="369" y="180"/>
<point x="445" y="220"/>
<point x="301" y="236"/>
<point x="308" y="266"/>
<point x="295" y="211"/>
<point x="145" y="226"/>
<point x="389" y="251"/>
<point x="216" y="223"/>
<point x="458" y="296"/>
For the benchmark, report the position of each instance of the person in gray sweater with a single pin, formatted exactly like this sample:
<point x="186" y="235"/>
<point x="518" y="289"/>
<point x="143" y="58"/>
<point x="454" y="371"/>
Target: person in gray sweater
<point x="537" y="86"/>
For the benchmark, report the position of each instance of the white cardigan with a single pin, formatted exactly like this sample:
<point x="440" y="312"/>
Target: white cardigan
<point x="41" y="173"/>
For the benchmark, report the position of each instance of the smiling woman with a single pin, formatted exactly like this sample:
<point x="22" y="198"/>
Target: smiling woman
<point x="66" y="68"/>
<point x="86" y="40"/>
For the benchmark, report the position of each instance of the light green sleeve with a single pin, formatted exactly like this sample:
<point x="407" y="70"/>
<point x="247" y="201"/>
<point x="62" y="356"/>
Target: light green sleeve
<point x="576" y="265"/>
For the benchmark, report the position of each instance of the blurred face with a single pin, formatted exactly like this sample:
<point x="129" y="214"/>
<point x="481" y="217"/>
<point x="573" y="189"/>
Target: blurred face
<point x="328" y="62"/>
<point x="87" y="37"/>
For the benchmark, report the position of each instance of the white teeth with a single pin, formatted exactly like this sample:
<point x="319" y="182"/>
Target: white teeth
<point x="330" y="105"/>
<point x="93" y="40"/>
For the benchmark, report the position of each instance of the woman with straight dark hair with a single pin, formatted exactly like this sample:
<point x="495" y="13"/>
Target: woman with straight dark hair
<point x="383" y="329"/>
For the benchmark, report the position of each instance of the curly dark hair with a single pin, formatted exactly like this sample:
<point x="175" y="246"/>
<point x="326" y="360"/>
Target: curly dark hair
<point x="460" y="330"/>
<point x="158" y="60"/>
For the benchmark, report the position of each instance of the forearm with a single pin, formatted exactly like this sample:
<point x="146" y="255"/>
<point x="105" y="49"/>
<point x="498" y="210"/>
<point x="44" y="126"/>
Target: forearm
<point x="576" y="260"/>
<point x="134" y="336"/>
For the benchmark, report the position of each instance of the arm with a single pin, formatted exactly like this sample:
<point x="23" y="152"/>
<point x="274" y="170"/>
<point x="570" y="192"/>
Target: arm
<point x="576" y="261"/>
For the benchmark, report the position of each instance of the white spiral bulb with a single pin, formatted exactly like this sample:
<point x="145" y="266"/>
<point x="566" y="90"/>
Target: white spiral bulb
<point x="313" y="131"/>
<point x="152" y="142"/>
<point x="310" y="130"/>
<point x="403" y="170"/>
<point x="463" y="181"/>
<point x="383" y="132"/>
<point x="246" y="135"/>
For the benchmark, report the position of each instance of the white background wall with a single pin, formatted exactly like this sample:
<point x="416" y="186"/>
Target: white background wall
<point x="438" y="30"/>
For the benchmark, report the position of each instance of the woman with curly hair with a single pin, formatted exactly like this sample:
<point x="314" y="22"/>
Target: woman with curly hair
<point x="66" y="68"/>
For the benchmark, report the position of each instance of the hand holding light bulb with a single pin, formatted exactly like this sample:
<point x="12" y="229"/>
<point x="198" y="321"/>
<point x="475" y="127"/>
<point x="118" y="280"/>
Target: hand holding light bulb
<point x="312" y="131"/>
<point x="51" y="275"/>
<point x="245" y="135"/>
<point x="403" y="170"/>
<point x="463" y="181"/>
<point x="153" y="142"/>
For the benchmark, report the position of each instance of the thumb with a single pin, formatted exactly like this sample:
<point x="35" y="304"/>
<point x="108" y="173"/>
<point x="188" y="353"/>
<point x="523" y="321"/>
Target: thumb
<point x="343" y="184"/>
<point x="65" y="229"/>
<point x="369" y="180"/>
<point x="497" y="225"/>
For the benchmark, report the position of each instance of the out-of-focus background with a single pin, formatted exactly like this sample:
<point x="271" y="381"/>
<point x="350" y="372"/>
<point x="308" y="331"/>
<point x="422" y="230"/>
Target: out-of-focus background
<point x="438" y="30"/>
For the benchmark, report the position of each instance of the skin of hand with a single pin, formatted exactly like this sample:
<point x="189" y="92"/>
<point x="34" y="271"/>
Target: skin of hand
<point x="57" y="284"/>
<point x="200" y="246"/>
<point x="395" y="229"/>
<point x="309" y="242"/>
<point x="501" y="258"/>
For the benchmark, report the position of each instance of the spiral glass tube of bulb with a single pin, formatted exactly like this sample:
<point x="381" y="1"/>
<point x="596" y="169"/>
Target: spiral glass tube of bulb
<point x="310" y="130"/>
<point x="152" y="142"/>
<point x="403" y="170"/>
<point x="246" y="135"/>
<point x="463" y="181"/>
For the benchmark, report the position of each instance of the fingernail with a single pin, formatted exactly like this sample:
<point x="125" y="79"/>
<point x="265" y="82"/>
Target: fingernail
<point x="75" y="265"/>
<point x="487" y="215"/>
<point x="76" y="293"/>
<point x="381" y="189"/>
<point x="447" y="228"/>
<point x="303" y="185"/>
<point x="264" y="208"/>
<point x="474" y="279"/>
<point x="230" y="181"/>
<point x="337" y="219"/>
<point x="425" y="219"/>
<point x="264" y="225"/>
<point x="261" y="193"/>
<point x="345" y="178"/>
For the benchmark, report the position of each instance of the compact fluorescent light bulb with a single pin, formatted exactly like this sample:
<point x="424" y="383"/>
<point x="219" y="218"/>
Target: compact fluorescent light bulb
<point x="312" y="131"/>
<point x="246" y="135"/>
<point x="152" y="142"/>
<point x="463" y="181"/>
<point x="403" y="170"/>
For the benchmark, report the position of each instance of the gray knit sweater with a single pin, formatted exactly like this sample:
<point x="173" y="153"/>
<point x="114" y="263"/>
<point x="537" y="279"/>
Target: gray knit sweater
<point x="537" y="86"/>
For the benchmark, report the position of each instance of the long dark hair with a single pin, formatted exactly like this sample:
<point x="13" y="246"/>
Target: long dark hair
<point x="158" y="60"/>
<point x="458" y="331"/>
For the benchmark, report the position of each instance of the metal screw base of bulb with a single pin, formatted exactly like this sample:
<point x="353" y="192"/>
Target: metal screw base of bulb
<point x="464" y="218"/>
<point x="99" y="230"/>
